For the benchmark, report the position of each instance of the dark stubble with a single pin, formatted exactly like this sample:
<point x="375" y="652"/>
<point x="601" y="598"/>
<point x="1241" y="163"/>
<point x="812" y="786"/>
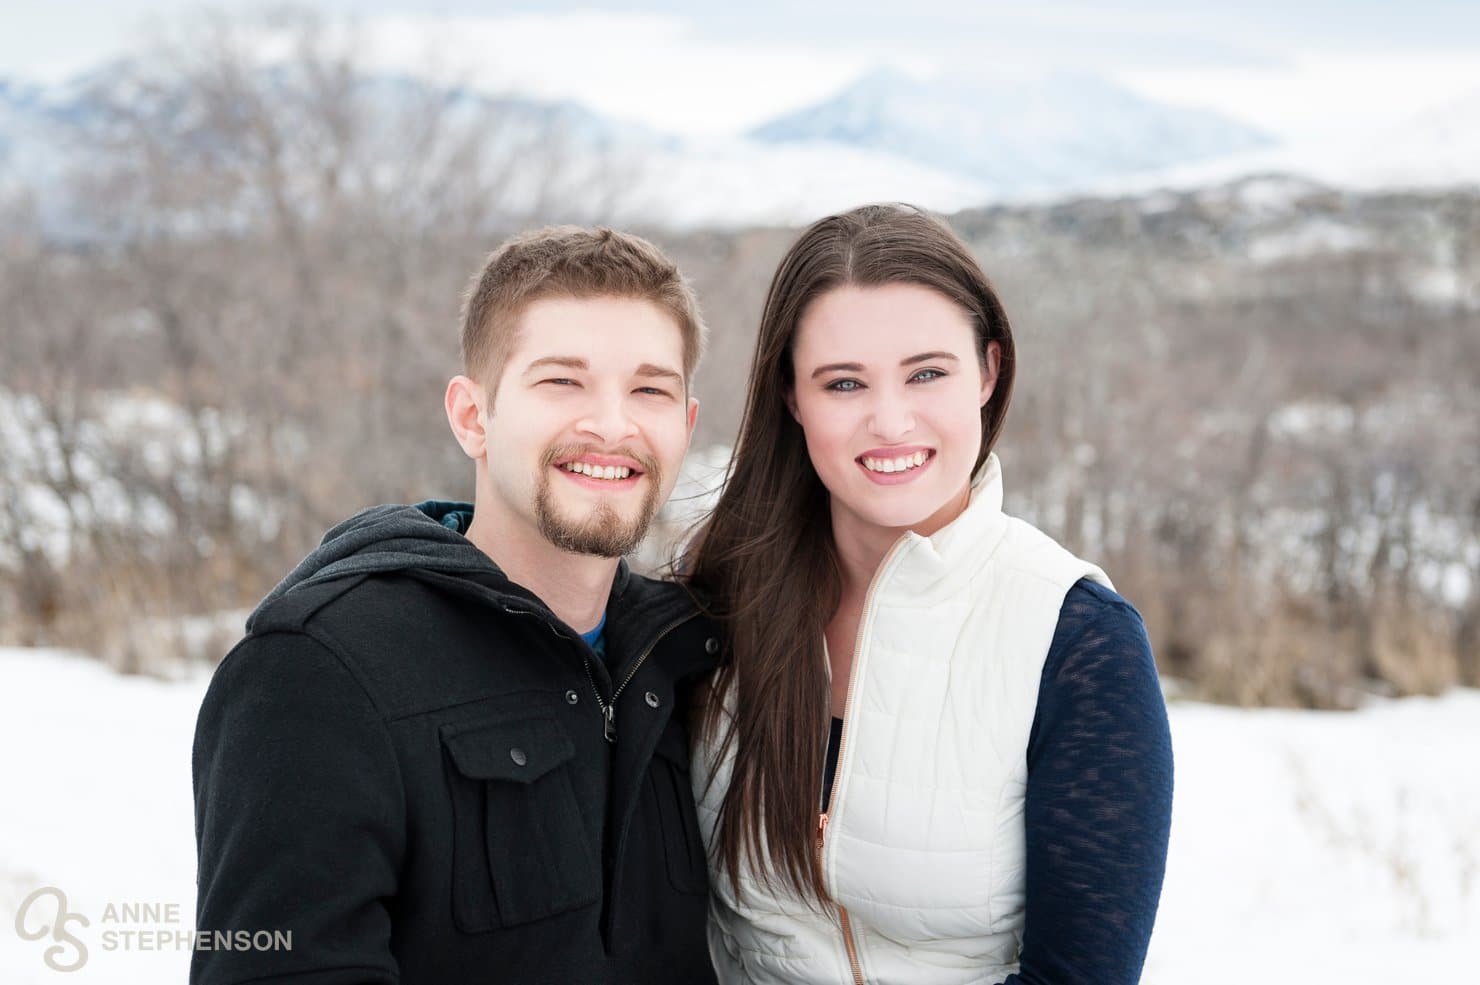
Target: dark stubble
<point x="602" y="532"/>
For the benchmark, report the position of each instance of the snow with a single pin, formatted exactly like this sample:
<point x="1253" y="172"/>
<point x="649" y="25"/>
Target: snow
<point x="98" y="804"/>
<point x="1306" y="846"/>
<point x="1323" y="846"/>
<point x="1321" y="235"/>
<point x="1272" y="195"/>
<point x="173" y="444"/>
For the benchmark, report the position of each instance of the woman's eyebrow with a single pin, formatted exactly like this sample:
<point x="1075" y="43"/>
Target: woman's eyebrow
<point x="837" y="368"/>
<point x="926" y="357"/>
<point x="923" y="357"/>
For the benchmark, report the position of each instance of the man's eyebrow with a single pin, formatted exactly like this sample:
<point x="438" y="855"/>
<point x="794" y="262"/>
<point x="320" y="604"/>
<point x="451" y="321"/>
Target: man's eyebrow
<point x="566" y="362"/>
<point x="923" y="357"/>
<point x="654" y="371"/>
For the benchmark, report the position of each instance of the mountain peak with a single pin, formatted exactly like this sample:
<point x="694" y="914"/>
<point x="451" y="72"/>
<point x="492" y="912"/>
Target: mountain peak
<point x="1014" y="132"/>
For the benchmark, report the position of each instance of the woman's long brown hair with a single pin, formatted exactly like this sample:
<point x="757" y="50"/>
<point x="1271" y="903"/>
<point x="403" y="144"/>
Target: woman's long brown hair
<point x="766" y="558"/>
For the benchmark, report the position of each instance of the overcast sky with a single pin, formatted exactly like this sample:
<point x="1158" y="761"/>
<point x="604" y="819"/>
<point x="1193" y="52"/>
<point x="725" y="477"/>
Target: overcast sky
<point x="1296" y="69"/>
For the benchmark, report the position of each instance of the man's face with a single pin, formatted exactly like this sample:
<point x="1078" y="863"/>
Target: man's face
<point x="590" y="422"/>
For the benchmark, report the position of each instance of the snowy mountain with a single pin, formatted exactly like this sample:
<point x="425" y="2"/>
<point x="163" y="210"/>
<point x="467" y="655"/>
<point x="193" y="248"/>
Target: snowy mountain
<point x="946" y="145"/>
<point x="385" y="118"/>
<point x="30" y="132"/>
<point x="1015" y="135"/>
<point x="84" y="105"/>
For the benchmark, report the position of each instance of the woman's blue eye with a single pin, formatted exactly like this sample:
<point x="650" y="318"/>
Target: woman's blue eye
<point x="926" y="375"/>
<point x="844" y="386"/>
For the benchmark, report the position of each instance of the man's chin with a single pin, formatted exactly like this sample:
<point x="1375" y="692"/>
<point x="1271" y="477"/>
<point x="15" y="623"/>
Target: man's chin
<point x="594" y="543"/>
<point x="608" y="536"/>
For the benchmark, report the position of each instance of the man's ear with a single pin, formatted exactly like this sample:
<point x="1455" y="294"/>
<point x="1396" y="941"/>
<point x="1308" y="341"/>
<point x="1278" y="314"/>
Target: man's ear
<point x="693" y="414"/>
<point x="464" y="402"/>
<point x="989" y="375"/>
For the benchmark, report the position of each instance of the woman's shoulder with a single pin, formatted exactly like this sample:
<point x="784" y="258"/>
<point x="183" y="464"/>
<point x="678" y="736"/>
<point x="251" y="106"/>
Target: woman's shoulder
<point x="1099" y="668"/>
<point x="1026" y="550"/>
<point x="1100" y="646"/>
<point x="1096" y="621"/>
<point x="1090" y="602"/>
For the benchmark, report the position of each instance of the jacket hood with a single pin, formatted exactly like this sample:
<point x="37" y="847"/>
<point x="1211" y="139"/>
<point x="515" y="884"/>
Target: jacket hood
<point x="426" y="537"/>
<point x="427" y="541"/>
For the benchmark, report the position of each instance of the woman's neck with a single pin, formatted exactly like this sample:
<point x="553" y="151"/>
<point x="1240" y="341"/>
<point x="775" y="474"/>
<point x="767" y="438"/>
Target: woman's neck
<point x="861" y="549"/>
<point x="862" y="546"/>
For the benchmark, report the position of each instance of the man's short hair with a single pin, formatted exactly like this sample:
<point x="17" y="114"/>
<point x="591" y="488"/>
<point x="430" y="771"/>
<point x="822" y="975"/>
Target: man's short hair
<point x="573" y="262"/>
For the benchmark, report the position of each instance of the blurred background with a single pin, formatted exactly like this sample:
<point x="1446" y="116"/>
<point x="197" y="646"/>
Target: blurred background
<point x="1240" y="249"/>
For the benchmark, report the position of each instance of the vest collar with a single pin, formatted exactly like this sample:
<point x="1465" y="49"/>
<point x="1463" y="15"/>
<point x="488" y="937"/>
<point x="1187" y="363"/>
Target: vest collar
<point x="919" y="570"/>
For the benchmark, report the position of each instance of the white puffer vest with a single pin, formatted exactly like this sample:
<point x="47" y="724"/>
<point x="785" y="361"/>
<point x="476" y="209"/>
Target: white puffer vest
<point x="923" y="845"/>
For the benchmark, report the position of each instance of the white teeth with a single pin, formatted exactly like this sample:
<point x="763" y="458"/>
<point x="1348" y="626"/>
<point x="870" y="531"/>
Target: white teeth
<point x="598" y="471"/>
<point x="888" y="465"/>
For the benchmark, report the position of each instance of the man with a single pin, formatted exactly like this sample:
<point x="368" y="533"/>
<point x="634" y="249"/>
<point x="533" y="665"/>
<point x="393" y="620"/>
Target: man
<point x="451" y="747"/>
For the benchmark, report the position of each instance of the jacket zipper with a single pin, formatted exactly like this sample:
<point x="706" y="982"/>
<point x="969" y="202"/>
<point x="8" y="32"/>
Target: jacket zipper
<point x="822" y="820"/>
<point x="609" y="710"/>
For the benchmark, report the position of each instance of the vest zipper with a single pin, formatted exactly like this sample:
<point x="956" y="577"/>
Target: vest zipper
<point x="837" y="790"/>
<point x="848" y="943"/>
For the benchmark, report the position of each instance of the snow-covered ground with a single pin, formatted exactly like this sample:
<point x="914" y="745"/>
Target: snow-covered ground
<point x="1306" y="847"/>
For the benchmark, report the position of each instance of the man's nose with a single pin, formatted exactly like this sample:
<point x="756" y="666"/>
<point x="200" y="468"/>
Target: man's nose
<point x="608" y="419"/>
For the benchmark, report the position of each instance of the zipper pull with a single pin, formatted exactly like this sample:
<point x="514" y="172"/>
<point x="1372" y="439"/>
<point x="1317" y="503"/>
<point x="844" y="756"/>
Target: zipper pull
<point x="610" y="725"/>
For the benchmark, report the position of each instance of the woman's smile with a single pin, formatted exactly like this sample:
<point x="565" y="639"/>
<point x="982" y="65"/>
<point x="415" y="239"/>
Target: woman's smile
<point x="895" y="466"/>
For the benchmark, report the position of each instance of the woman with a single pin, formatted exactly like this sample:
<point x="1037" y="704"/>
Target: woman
<point x="938" y="751"/>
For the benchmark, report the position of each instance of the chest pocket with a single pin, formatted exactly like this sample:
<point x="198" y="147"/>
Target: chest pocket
<point x="520" y="849"/>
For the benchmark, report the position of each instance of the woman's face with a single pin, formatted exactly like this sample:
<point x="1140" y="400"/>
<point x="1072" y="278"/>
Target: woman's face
<point x="889" y="393"/>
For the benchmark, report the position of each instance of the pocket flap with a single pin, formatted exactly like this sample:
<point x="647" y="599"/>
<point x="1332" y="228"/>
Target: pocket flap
<point x="519" y="751"/>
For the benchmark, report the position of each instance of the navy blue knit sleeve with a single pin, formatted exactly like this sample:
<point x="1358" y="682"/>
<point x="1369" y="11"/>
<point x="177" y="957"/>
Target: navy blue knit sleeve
<point x="1099" y="799"/>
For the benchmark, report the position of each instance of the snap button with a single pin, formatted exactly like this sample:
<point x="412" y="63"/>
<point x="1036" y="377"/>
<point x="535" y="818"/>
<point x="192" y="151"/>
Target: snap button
<point x="517" y="755"/>
<point x="711" y="646"/>
<point x="571" y="697"/>
<point x="651" y="699"/>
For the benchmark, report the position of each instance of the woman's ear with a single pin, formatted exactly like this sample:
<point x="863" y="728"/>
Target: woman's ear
<point x="789" y="394"/>
<point x="990" y="371"/>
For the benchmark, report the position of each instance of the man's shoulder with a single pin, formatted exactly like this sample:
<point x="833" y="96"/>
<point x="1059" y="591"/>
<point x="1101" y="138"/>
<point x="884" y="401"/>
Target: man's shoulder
<point x="365" y="620"/>
<point x="388" y="601"/>
<point x="291" y="611"/>
<point x="414" y="642"/>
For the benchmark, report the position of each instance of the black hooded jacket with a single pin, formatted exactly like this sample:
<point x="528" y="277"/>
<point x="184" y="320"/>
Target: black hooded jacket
<point x="404" y="765"/>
